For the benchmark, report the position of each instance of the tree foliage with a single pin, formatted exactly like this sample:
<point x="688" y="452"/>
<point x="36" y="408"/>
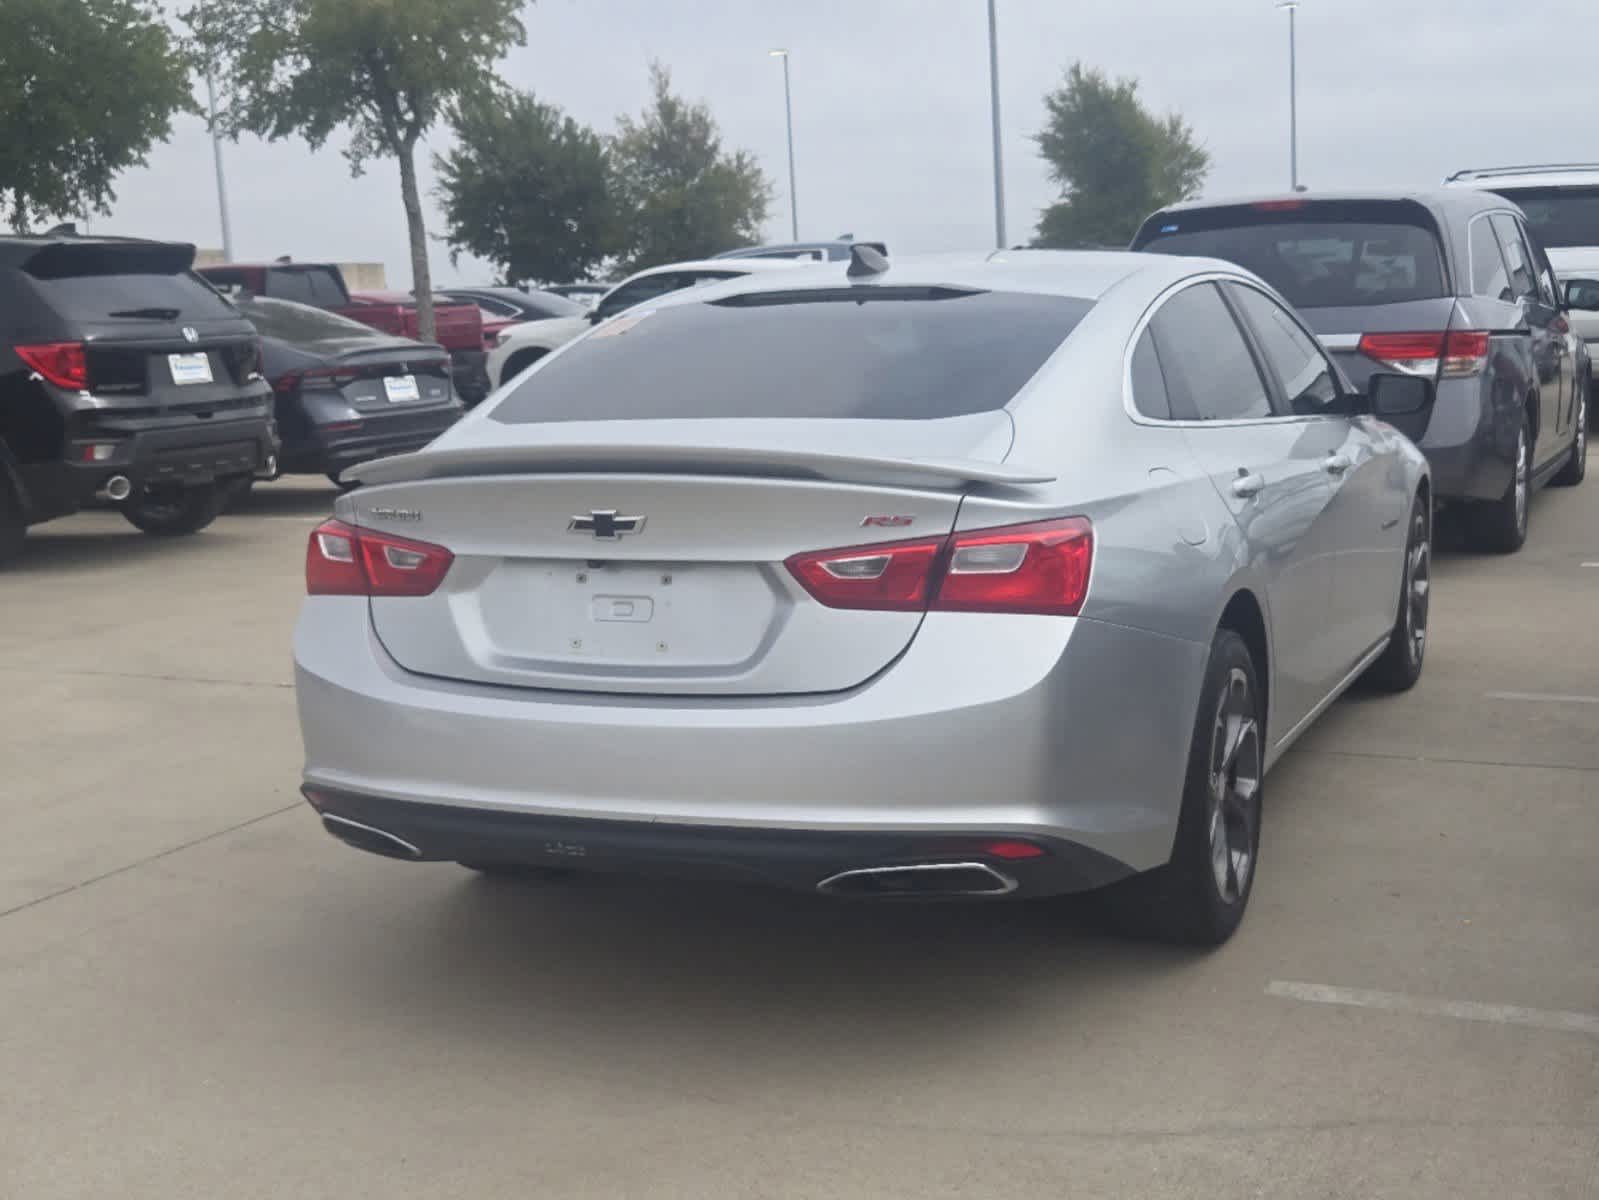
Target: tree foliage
<point x="678" y="193"/>
<point x="384" y="70"/>
<point x="86" y="88"/>
<point x="1115" y="161"/>
<point x="527" y="188"/>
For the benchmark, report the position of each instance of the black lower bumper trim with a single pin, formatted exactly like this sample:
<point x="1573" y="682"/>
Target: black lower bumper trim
<point x="791" y="858"/>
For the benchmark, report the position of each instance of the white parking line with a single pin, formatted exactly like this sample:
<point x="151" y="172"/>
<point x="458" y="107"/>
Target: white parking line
<point x="1593" y="564"/>
<point x="1460" y="1010"/>
<point x="1542" y="697"/>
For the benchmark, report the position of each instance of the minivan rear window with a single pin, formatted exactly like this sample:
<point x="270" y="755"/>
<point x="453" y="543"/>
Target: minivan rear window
<point x="1316" y="257"/>
<point x="866" y="353"/>
<point x="132" y="297"/>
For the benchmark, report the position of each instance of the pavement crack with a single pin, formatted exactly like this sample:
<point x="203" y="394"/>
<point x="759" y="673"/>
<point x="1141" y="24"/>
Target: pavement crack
<point x="149" y="676"/>
<point x="147" y="859"/>
<point x="1391" y="756"/>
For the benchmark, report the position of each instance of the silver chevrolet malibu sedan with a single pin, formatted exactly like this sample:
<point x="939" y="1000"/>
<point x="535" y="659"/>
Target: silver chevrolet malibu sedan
<point x="970" y="576"/>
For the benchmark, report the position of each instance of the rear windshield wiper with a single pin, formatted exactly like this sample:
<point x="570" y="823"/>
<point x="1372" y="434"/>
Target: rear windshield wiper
<point x="148" y="314"/>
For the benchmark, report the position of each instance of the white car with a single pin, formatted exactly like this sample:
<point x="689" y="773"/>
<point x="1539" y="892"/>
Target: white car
<point x="520" y="346"/>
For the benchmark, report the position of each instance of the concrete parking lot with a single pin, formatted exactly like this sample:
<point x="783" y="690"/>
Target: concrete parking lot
<point x="202" y="995"/>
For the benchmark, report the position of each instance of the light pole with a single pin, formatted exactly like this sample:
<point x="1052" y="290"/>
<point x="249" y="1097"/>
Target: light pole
<point x="216" y="149"/>
<point x="999" y="159"/>
<point x="788" y="110"/>
<point x="1293" y="97"/>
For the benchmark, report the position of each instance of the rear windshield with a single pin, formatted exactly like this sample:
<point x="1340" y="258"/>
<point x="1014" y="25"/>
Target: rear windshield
<point x="864" y="353"/>
<point x="1325" y="262"/>
<point x="1559" y="216"/>
<point x="87" y="284"/>
<point x="290" y="322"/>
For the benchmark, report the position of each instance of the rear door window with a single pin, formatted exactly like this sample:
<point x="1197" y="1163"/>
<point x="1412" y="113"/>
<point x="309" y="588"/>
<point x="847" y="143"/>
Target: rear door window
<point x="1489" y="276"/>
<point x="313" y="285"/>
<point x="1522" y="286"/>
<point x="1307" y="378"/>
<point x="882" y="353"/>
<point x="1318" y="256"/>
<point x="1209" y="369"/>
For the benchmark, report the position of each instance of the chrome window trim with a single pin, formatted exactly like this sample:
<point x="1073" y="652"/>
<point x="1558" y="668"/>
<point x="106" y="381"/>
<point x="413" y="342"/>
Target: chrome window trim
<point x="1471" y="256"/>
<point x="1131" y="408"/>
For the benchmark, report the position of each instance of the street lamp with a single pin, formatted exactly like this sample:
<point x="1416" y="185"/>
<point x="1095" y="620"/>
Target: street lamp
<point x="993" y="99"/>
<point x="1293" y="97"/>
<point x="788" y="109"/>
<point x="216" y="151"/>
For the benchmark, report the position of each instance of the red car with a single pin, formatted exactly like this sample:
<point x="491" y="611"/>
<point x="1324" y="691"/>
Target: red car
<point x="458" y="327"/>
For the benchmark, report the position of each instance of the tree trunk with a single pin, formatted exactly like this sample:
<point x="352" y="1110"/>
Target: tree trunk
<point x="421" y="277"/>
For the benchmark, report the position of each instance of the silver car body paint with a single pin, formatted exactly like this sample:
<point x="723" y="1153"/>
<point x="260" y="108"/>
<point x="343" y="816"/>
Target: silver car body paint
<point x="510" y="690"/>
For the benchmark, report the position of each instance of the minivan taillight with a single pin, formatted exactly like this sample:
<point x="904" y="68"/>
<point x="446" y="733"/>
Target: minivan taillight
<point x="1042" y="567"/>
<point x="65" y="364"/>
<point x="1453" y="355"/>
<point x="341" y="560"/>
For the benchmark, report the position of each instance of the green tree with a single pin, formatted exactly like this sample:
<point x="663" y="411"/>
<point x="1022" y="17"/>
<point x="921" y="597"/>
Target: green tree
<point x="1115" y="161"/>
<point x="526" y="187"/>
<point x="385" y="70"/>
<point x="678" y="193"/>
<point x="86" y="88"/>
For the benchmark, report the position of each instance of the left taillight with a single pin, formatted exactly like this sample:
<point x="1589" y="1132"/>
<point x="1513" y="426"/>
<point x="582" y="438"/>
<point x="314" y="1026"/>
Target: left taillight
<point x="65" y="364"/>
<point x="341" y="560"/>
<point x="1042" y="567"/>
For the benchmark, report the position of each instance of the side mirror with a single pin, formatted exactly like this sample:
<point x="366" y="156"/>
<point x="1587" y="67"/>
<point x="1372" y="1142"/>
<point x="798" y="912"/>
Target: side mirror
<point x="593" y="316"/>
<point x="1391" y="396"/>
<point x="1583" y="294"/>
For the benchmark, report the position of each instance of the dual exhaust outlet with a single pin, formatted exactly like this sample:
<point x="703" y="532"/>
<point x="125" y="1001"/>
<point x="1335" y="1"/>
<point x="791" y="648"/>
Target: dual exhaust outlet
<point x="907" y="880"/>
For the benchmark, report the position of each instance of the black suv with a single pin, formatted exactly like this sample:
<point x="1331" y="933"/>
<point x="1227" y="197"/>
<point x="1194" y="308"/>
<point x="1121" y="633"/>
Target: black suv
<point x="1448" y="285"/>
<point x="123" y="377"/>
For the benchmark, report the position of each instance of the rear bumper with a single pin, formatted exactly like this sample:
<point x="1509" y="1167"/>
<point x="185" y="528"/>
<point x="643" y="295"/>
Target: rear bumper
<point x="322" y="453"/>
<point x="1470" y="442"/>
<point x="195" y="453"/>
<point x="789" y="858"/>
<point x="1073" y="733"/>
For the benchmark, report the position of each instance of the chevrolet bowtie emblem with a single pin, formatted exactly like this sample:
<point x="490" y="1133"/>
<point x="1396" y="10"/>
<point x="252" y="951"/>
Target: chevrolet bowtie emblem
<point x="603" y="523"/>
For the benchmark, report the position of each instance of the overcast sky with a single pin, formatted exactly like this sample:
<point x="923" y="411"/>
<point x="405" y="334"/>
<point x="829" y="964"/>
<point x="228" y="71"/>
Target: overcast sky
<point x="891" y="112"/>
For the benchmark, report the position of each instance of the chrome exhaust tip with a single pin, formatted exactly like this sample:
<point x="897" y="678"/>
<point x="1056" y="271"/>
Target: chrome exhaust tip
<point x="116" y="489"/>
<point x="920" y="879"/>
<point x="369" y="838"/>
<point x="269" y="469"/>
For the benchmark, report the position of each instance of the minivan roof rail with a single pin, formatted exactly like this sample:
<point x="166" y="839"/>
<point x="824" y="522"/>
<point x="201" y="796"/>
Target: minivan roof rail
<point x="1490" y="172"/>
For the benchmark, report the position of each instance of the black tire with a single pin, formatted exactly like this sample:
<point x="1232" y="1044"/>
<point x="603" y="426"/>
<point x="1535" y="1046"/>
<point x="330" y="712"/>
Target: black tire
<point x="1576" y="467"/>
<point x="177" y="511"/>
<point x="502" y="870"/>
<point x="1400" y="665"/>
<point x="1500" y="526"/>
<point x="1186" y="901"/>
<point x="13" y="523"/>
<point x="518" y="363"/>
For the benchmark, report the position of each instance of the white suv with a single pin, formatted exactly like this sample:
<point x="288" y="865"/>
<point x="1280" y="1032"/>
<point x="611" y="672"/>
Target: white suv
<point x="1562" y="206"/>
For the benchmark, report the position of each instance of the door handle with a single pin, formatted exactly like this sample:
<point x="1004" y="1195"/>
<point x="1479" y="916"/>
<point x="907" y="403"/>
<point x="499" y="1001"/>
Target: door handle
<point x="1247" y="484"/>
<point x="1336" y="464"/>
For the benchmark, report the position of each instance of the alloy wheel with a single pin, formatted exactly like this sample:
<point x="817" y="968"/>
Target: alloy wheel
<point x="1521" y="480"/>
<point x="1235" y="774"/>
<point x="1418" y="586"/>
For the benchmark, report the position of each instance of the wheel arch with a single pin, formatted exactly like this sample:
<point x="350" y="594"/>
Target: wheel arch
<point x="1245" y="616"/>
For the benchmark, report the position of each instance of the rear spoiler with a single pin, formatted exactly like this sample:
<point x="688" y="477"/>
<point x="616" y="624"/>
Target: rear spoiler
<point x="692" y="460"/>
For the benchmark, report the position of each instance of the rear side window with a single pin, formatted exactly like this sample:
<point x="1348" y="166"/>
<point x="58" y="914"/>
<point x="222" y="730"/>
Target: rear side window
<point x="1516" y="258"/>
<point x="1318" y="261"/>
<point x="1149" y="385"/>
<point x="1559" y="216"/>
<point x="307" y="286"/>
<point x="1209" y="370"/>
<point x="1301" y="368"/>
<point x="1488" y="274"/>
<point x="864" y="353"/>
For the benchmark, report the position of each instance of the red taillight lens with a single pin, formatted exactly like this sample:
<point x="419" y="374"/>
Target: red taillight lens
<point x="1036" y="568"/>
<point x="341" y="560"/>
<point x="1278" y="205"/>
<point x="1013" y="849"/>
<point x="315" y="377"/>
<point x="1040" y="568"/>
<point x="892" y="577"/>
<point x="1454" y="354"/>
<point x="64" y="364"/>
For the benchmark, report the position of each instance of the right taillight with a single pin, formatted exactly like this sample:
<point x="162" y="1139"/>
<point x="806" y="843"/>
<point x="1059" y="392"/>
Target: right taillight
<point x="1452" y="355"/>
<point x="1041" y="567"/>
<point x="341" y="560"/>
